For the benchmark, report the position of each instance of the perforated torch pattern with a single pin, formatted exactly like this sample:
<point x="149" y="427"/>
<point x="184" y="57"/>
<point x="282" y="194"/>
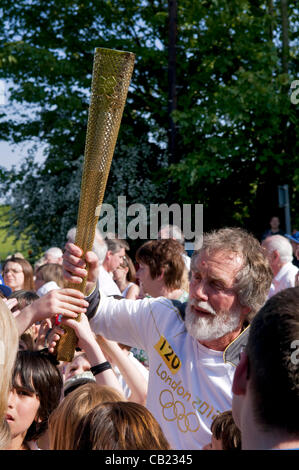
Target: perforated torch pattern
<point x="111" y="76"/>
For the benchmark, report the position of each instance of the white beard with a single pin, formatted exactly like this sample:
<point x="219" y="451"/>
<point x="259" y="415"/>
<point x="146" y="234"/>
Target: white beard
<point x="213" y="326"/>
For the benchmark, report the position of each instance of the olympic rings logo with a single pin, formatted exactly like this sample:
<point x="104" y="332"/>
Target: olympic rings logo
<point x="175" y="410"/>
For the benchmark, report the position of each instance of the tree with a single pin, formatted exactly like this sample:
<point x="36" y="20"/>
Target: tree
<point x="236" y="129"/>
<point x="48" y="52"/>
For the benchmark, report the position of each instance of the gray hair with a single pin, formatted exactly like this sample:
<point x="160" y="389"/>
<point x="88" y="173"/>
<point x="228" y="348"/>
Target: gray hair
<point x="172" y="231"/>
<point x="253" y="280"/>
<point x="54" y="251"/>
<point x="282" y="245"/>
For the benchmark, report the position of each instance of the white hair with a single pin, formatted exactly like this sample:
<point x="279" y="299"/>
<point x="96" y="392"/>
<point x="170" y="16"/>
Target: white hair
<point x="282" y="245"/>
<point x="99" y="245"/>
<point x="54" y="251"/>
<point x="172" y="231"/>
<point x="210" y="327"/>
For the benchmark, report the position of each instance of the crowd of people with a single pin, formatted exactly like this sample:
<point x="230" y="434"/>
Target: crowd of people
<point x="172" y="352"/>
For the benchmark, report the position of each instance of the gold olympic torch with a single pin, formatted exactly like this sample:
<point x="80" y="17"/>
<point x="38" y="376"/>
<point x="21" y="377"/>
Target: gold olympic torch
<point x="111" y="76"/>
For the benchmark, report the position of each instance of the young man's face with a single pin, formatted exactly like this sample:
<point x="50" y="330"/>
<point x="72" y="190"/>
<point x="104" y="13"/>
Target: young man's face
<point x="150" y="286"/>
<point x="274" y="223"/>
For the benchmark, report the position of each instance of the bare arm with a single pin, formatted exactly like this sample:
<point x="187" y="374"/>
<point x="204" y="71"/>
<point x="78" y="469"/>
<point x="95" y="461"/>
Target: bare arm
<point x="87" y="342"/>
<point x="133" y="292"/>
<point x="68" y="302"/>
<point x="132" y="376"/>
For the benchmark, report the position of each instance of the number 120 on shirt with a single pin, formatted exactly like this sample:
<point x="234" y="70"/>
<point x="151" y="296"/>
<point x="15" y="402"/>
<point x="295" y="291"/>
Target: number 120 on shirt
<point x="168" y="355"/>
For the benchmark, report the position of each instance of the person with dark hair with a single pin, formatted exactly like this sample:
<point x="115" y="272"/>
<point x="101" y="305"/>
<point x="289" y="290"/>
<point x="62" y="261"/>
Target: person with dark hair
<point x="35" y="393"/>
<point x="161" y="269"/>
<point x="24" y="298"/>
<point x="266" y="382"/>
<point x="119" y="426"/>
<point x="225" y="434"/>
<point x="18" y="274"/>
<point x="274" y="230"/>
<point x="193" y="347"/>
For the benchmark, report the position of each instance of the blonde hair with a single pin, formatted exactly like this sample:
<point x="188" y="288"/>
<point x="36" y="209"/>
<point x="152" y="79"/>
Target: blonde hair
<point x="65" y="419"/>
<point x="5" y="435"/>
<point x="51" y="272"/>
<point x="9" y="338"/>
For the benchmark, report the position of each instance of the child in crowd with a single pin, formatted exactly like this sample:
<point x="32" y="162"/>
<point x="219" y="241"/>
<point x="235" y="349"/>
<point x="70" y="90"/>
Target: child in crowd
<point x="123" y="371"/>
<point x="64" y="421"/>
<point x="48" y="277"/>
<point x="225" y="434"/>
<point x="35" y="393"/>
<point x="119" y="426"/>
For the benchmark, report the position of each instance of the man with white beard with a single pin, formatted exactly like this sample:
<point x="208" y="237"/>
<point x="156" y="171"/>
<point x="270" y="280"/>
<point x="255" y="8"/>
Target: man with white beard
<point x="193" y="349"/>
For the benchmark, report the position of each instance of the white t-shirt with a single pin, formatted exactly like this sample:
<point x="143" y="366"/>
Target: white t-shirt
<point x="284" y="279"/>
<point x="188" y="383"/>
<point x="47" y="287"/>
<point x="107" y="284"/>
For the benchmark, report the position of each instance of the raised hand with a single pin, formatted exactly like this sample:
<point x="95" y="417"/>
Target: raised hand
<point x="66" y="302"/>
<point x="74" y="266"/>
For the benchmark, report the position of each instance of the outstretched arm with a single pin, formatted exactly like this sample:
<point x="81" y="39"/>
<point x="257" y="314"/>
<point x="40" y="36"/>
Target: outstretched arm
<point x="136" y="382"/>
<point x="87" y="342"/>
<point x="67" y="302"/>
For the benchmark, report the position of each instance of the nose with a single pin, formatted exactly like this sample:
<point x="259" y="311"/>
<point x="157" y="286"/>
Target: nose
<point x="198" y="290"/>
<point x="11" y="399"/>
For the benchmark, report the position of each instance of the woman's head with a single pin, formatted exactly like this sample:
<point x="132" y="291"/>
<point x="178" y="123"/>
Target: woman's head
<point x="36" y="390"/>
<point x="126" y="270"/>
<point x="65" y="419"/>
<point x="8" y="350"/>
<point x="120" y="426"/>
<point x="49" y="272"/>
<point x="18" y="274"/>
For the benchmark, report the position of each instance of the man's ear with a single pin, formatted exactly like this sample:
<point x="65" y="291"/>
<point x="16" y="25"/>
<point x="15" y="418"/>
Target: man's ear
<point x="245" y="311"/>
<point x="240" y="381"/>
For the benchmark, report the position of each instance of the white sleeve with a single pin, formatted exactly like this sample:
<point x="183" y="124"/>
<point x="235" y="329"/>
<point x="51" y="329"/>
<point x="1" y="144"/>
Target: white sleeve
<point x="125" y="321"/>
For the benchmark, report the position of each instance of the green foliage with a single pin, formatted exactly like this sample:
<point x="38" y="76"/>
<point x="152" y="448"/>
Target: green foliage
<point x="8" y="244"/>
<point x="237" y="131"/>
